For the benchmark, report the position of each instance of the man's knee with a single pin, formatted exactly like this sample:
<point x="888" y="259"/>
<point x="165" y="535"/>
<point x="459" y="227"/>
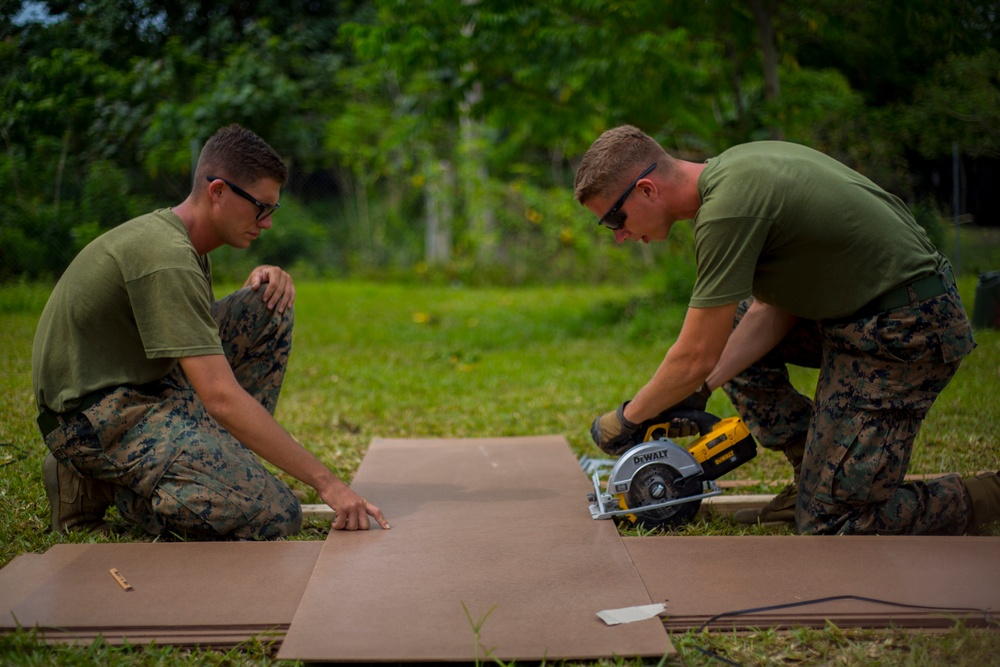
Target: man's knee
<point x="191" y="501"/>
<point x="275" y="521"/>
<point x="936" y="507"/>
<point x="247" y="308"/>
<point x="823" y="506"/>
<point x="813" y="517"/>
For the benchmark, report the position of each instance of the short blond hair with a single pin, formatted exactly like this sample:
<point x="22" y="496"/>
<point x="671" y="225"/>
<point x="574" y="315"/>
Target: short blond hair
<point x="237" y="153"/>
<point x="614" y="159"/>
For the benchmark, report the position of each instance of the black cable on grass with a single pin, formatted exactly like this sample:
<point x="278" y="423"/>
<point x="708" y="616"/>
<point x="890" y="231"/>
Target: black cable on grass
<point x="987" y="615"/>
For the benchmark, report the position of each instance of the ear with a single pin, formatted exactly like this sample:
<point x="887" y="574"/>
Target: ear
<point x="648" y="188"/>
<point x="215" y="189"/>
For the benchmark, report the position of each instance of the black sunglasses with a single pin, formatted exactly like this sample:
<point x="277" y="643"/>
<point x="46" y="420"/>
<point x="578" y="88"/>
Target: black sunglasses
<point x="615" y="217"/>
<point x="263" y="210"/>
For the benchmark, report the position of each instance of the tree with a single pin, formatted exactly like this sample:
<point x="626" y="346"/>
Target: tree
<point x="958" y="104"/>
<point x="379" y="95"/>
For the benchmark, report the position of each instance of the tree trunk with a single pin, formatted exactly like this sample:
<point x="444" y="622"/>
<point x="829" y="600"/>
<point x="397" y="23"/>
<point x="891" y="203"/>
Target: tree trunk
<point x="439" y="181"/>
<point x="763" y="11"/>
<point x="474" y="180"/>
<point x="361" y="208"/>
<point x="57" y="195"/>
<point x="724" y="33"/>
<point x="13" y="165"/>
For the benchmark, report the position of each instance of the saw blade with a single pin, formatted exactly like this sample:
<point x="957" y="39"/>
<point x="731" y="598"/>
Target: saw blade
<point x="657" y="483"/>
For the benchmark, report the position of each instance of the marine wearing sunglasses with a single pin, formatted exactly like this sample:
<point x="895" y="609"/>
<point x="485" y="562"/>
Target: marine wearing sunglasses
<point x="263" y="210"/>
<point x="615" y="218"/>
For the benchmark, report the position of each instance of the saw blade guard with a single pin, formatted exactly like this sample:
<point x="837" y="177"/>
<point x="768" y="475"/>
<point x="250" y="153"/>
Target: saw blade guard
<point x="655" y="484"/>
<point x="659" y="454"/>
<point x="664" y="452"/>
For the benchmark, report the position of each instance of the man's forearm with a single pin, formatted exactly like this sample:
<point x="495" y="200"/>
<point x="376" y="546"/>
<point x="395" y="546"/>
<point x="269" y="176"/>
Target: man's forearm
<point x="250" y="423"/>
<point x="673" y="381"/>
<point x="761" y="328"/>
<point x="687" y="363"/>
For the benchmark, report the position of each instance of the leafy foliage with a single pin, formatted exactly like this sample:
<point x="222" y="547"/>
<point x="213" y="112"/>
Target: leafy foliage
<point x="434" y="126"/>
<point x="959" y="104"/>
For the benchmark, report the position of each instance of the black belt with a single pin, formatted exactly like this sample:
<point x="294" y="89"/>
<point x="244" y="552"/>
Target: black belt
<point x="923" y="289"/>
<point x="49" y="421"/>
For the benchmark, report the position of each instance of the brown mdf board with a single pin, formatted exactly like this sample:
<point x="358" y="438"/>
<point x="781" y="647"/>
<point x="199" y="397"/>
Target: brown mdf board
<point x="701" y="577"/>
<point x="725" y="504"/>
<point x="217" y="639"/>
<point x="17" y="580"/>
<point x="474" y="478"/>
<point x="492" y="533"/>
<point x="21" y="576"/>
<point x="174" y="585"/>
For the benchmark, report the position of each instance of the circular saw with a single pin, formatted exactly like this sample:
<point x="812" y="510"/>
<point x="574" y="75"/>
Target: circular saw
<point x="658" y="483"/>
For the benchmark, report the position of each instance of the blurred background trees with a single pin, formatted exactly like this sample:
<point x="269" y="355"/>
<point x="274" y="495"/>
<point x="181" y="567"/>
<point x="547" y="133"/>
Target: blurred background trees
<point x="434" y="139"/>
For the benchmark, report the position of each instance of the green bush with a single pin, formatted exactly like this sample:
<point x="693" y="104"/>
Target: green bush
<point x="35" y="240"/>
<point x="931" y="219"/>
<point x="40" y="238"/>
<point x="104" y="201"/>
<point x="295" y="236"/>
<point x="21" y="254"/>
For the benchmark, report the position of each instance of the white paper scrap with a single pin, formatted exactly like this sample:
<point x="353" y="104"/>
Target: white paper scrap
<point x="630" y="614"/>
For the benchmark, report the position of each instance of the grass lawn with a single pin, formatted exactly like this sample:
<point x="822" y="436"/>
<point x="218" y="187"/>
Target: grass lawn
<point x="405" y="361"/>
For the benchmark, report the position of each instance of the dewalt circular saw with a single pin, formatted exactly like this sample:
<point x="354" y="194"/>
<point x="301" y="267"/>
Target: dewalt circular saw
<point x="658" y="483"/>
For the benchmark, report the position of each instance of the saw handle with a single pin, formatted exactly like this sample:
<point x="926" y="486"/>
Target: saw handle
<point x="703" y="420"/>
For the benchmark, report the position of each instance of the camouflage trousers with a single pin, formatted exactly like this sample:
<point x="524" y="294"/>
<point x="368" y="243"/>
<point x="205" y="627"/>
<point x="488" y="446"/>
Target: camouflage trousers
<point x="173" y="467"/>
<point x="878" y="377"/>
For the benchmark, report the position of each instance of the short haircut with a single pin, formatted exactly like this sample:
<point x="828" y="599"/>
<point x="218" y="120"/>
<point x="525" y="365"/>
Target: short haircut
<point x="614" y="159"/>
<point x="238" y="154"/>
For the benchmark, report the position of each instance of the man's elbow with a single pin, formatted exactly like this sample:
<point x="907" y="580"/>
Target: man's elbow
<point x="702" y="367"/>
<point x="697" y="363"/>
<point x="220" y="404"/>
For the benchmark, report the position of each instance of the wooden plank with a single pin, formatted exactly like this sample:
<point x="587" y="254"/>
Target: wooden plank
<point x="953" y="577"/>
<point x="727" y="504"/>
<point x="724" y="504"/>
<point x="484" y="530"/>
<point x="781" y="483"/>
<point x="174" y="585"/>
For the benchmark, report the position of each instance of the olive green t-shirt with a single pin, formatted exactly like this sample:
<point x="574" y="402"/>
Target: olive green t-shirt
<point x="799" y="230"/>
<point x="132" y="302"/>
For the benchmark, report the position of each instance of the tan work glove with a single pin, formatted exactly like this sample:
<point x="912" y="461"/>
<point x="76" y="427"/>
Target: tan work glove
<point x="615" y="434"/>
<point x="612" y="432"/>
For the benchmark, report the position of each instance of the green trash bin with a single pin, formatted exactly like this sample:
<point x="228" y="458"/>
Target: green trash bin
<point x="986" y="314"/>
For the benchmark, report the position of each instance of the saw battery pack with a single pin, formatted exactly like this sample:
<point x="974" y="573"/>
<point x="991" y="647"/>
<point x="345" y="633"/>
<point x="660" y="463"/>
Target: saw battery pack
<point x="728" y="446"/>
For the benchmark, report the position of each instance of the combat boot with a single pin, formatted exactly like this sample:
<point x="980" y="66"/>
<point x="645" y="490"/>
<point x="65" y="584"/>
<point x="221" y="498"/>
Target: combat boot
<point x="77" y="503"/>
<point x="781" y="508"/>
<point x="983" y="493"/>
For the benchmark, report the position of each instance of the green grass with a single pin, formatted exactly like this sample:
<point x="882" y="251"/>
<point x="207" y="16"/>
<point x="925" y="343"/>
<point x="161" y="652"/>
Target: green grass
<point x="408" y="361"/>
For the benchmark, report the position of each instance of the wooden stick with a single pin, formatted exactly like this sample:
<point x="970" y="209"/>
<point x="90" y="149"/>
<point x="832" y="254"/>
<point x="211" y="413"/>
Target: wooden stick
<point x="120" y="579"/>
